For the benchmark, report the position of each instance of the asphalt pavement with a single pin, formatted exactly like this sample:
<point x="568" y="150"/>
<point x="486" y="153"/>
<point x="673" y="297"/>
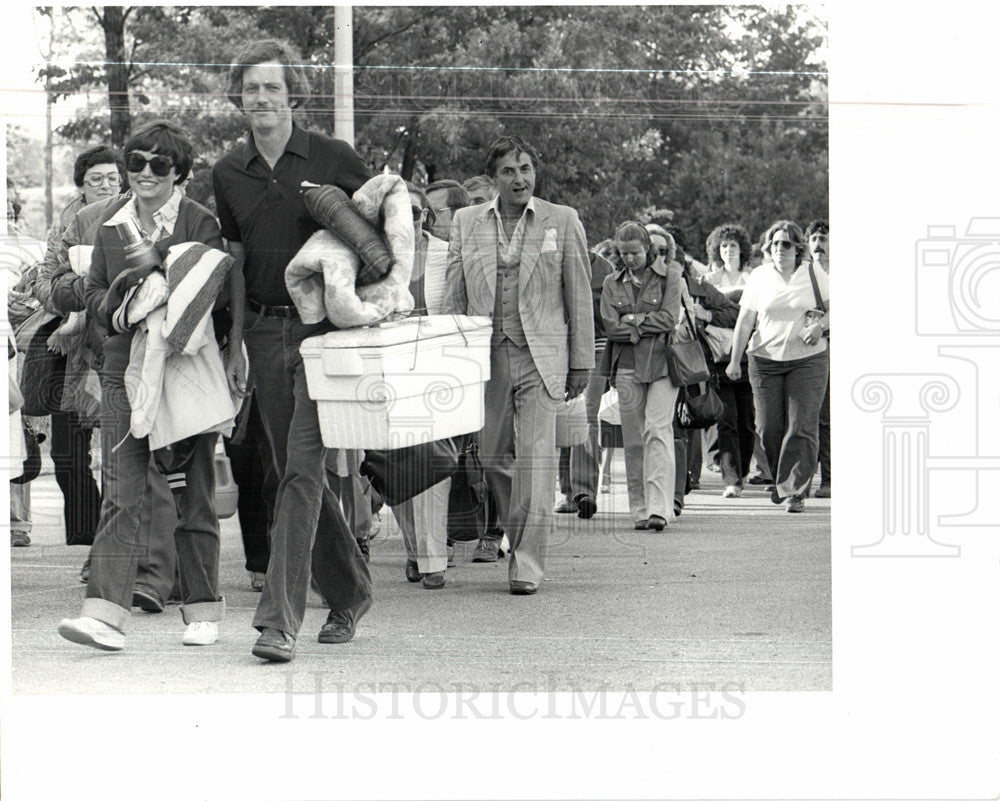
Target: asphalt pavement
<point x="736" y="594"/>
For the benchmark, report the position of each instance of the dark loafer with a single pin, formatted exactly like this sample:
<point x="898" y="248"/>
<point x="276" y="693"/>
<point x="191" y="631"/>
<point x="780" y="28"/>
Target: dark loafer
<point x="340" y="625"/>
<point x="146" y="601"/>
<point x="274" y="645"/>
<point x="522" y="588"/>
<point x="641" y="525"/>
<point x="412" y="573"/>
<point x="587" y="507"/>
<point x="433" y="581"/>
<point x="657" y="523"/>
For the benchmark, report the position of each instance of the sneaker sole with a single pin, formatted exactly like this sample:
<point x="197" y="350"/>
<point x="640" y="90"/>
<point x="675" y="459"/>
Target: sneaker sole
<point x="82" y="638"/>
<point x="485" y="558"/>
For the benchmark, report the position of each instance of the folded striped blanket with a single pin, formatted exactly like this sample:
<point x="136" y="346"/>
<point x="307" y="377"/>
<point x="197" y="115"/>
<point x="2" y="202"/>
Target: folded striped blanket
<point x="195" y="274"/>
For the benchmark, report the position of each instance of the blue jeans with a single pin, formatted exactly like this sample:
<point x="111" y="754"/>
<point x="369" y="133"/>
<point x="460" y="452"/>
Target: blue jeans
<point x="309" y="529"/>
<point x="787" y="397"/>
<point x="134" y="525"/>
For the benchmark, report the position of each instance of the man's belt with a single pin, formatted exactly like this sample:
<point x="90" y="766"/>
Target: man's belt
<point x="285" y="312"/>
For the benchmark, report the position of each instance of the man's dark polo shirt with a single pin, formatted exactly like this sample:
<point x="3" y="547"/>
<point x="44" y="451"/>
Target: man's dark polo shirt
<point x="264" y="210"/>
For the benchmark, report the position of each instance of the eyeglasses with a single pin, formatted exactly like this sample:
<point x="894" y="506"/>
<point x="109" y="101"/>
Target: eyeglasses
<point x="96" y="180"/>
<point x="160" y="165"/>
<point x="418" y="213"/>
<point x="784" y="244"/>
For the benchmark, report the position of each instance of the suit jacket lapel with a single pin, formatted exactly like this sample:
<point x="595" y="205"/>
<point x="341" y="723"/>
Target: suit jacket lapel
<point x="486" y="242"/>
<point x="531" y="246"/>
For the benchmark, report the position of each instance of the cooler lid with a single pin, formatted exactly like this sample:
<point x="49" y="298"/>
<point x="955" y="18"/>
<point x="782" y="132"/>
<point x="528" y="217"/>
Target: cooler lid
<point x="398" y="332"/>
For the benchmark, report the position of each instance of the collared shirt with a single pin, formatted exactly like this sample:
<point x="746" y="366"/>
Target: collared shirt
<point x="264" y="209"/>
<point x="509" y="251"/>
<point x="164" y="218"/>
<point x="781" y="308"/>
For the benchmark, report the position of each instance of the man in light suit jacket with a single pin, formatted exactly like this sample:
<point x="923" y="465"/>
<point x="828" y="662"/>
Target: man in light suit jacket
<point x="523" y="262"/>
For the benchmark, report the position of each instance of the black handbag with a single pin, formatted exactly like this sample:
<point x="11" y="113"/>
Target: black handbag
<point x="401" y="473"/>
<point x="701" y="410"/>
<point x="32" y="465"/>
<point x="469" y="501"/>
<point x="686" y="364"/>
<point x="44" y="372"/>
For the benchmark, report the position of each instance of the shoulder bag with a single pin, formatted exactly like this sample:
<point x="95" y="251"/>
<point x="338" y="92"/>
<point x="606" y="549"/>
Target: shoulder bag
<point x="702" y="410"/>
<point x="470" y="506"/>
<point x="686" y="363"/>
<point x="44" y="372"/>
<point x="402" y="473"/>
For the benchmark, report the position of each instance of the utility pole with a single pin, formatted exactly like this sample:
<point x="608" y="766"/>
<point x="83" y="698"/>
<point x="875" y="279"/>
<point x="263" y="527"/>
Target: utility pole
<point x="343" y="74"/>
<point x="49" y="57"/>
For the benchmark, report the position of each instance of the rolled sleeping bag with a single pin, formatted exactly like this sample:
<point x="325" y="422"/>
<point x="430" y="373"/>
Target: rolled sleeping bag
<point x="332" y="208"/>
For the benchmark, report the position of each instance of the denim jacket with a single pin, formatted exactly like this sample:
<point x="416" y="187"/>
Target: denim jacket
<point x="656" y="306"/>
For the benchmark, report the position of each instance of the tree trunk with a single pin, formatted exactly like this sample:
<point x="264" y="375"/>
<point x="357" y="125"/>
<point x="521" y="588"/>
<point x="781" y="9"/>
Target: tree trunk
<point x="113" y="23"/>
<point x="409" y="158"/>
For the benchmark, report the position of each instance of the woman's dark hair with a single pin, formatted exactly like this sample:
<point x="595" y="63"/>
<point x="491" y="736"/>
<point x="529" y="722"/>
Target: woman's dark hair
<point x="728" y="232"/>
<point x="675" y="231"/>
<point x="458" y="198"/>
<point x="794" y="234"/>
<point x="264" y="51"/>
<point x="102" y="154"/>
<point x="508" y="144"/>
<point x="165" y="139"/>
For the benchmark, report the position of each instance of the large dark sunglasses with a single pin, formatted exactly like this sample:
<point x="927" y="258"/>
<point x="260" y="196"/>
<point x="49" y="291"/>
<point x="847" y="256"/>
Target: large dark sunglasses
<point x="159" y="165"/>
<point x="784" y="244"/>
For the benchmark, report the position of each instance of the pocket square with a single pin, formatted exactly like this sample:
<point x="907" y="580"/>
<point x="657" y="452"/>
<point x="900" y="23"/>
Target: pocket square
<point x="549" y="244"/>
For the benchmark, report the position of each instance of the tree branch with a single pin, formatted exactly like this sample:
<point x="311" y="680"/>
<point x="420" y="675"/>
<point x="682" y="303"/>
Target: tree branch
<point x="367" y="47"/>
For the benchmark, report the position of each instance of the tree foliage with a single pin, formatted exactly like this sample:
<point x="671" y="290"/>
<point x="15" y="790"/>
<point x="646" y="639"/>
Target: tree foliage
<point x="716" y="112"/>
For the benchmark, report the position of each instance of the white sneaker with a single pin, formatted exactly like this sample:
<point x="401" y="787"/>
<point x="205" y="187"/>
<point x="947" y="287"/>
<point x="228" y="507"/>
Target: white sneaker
<point x="732" y="491"/>
<point x="93" y="632"/>
<point x="201" y="632"/>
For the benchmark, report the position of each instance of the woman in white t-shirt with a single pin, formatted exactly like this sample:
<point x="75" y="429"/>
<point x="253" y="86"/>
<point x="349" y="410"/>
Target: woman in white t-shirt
<point x="783" y="315"/>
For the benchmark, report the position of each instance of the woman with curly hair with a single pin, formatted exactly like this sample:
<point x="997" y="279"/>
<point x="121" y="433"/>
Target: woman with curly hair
<point x="783" y="316"/>
<point x="729" y="248"/>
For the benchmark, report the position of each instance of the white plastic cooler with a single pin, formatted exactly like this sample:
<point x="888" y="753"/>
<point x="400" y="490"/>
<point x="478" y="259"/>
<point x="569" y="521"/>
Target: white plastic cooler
<point x="401" y="383"/>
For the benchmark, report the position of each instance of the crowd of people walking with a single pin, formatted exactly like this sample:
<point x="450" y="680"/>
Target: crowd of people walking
<point x="568" y="320"/>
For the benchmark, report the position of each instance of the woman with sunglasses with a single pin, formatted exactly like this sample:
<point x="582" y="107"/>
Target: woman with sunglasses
<point x="783" y="316"/>
<point x="158" y="158"/>
<point x="640" y="305"/>
<point x="61" y="289"/>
